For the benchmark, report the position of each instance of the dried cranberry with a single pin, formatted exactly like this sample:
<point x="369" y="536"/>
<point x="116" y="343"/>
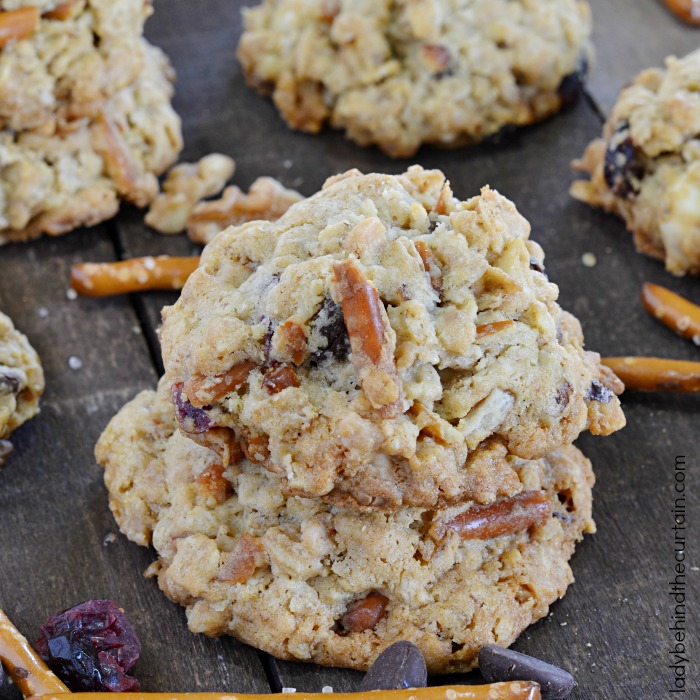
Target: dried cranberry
<point x="331" y="325"/>
<point x="571" y="85"/>
<point x="623" y="167"/>
<point x="91" y="647"/>
<point x="190" y="418"/>
<point x="599" y="392"/>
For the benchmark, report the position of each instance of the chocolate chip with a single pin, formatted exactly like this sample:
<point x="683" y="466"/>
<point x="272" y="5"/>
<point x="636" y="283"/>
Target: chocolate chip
<point x="331" y="325"/>
<point x="623" y="170"/>
<point x="5" y="451"/>
<point x="401" y="665"/>
<point x="571" y="85"/>
<point x="9" y="384"/>
<point x="499" y="664"/>
<point x="564" y="394"/>
<point x="599" y="392"/>
<point x="534" y="265"/>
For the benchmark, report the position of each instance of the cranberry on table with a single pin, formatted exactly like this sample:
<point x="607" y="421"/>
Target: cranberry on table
<point x="91" y="647"/>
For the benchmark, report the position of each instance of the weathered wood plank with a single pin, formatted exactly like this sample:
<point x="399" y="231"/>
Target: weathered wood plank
<point x="629" y="36"/>
<point x="620" y="603"/>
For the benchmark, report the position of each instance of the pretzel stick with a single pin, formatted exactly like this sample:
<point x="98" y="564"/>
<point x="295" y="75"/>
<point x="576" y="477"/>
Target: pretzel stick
<point x="673" y="310"/>
<point x="687" y="10"/>
<point x="655" y="373"/>
<point x="513" y="690"/>
<point x="134" y="275"/>
<point x="17" y="24"/>
<point x="29" y="673"/>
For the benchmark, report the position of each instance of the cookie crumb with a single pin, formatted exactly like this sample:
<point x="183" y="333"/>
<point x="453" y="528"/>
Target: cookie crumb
<point x="71" y="294"/>
<point x="109" y="538"/>
<point x="589" y="260"/>
<point x="74" y="362"/>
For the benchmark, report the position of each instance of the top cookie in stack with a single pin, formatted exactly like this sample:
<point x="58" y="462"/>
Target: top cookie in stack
<point x="85" y="113"/>
<point x="383" y="344"/>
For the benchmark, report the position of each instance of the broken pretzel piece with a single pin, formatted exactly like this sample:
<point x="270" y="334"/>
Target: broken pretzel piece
<point x="134" y="275"/>
<point x="29" y="673"/>
<point x="138" y="187"/>
<point x="17" y="24"/>
<point x="687" y="10"/>
<point x="266" y="200"/>
<point x="673" y="310"/>
<point x="513" y="690"/>
<point x="365" y="613"/>
<point x="488" y="328"/>
<point x="430" y="264"/>
<point x="506" y="516"/>
<point x="204" y="390"/>
<point x="655" y="373"/>
<point x="185" y="186"/>
<point x="61" y="12"/>
<point x="371" y="341"/>
<point x="243" y="561"/>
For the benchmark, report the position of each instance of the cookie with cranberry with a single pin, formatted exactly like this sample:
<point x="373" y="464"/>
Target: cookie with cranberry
<point x="382" y="344"/>
<point x="646" y="167"/>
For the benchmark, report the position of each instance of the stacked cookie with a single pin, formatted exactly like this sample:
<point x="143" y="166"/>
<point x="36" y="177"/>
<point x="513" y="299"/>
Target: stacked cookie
<point x="364" y="429"/>
<point x="85" y="114"/>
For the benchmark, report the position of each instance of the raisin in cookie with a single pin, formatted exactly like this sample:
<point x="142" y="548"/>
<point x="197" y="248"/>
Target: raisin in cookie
<point x="310" y="581"/>
<point x="21" y="382"/>
<point x="383" y="343"/>
<point x="646" y="167"/>
<point x="76" y="174"/>
<point x="65" y="60"/>
<point x="399" y="74"/>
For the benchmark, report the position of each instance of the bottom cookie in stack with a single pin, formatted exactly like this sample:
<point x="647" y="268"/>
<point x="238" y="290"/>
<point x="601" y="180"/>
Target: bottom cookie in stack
<point x="21" y="382"/>
<point x="309" y="581"/>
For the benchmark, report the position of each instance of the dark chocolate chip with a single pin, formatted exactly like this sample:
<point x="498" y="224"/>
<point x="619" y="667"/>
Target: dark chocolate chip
<point x="534" y="265"/>
<point x="599" y="392"/>
<point x="5" y="451"/>
<point x="401" y="665"/>
<point x="571" y="85"/>
<point x="564" y="394"/>
<point x="331" y="325"/>
<point x="8" y="384"/>
<point x="499" y="664"/>
<point x="623" y="170"/>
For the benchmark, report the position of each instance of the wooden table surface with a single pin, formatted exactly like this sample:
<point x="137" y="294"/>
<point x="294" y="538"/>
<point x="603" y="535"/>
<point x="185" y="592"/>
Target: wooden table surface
<point x="57" y="544"/>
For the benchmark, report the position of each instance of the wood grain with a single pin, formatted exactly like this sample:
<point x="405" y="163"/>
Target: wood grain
<point x="610" y="630"/>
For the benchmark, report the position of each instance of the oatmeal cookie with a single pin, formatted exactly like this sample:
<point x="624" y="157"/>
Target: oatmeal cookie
<point x="385" y="344"/>
<point x="74" y="57"/>
<point x="310" y="581"/>
<point x="21" y="382"/>
<point x="399" y="74"/>
<point x="76" y="174"/>
<point x="646" y="167"/>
